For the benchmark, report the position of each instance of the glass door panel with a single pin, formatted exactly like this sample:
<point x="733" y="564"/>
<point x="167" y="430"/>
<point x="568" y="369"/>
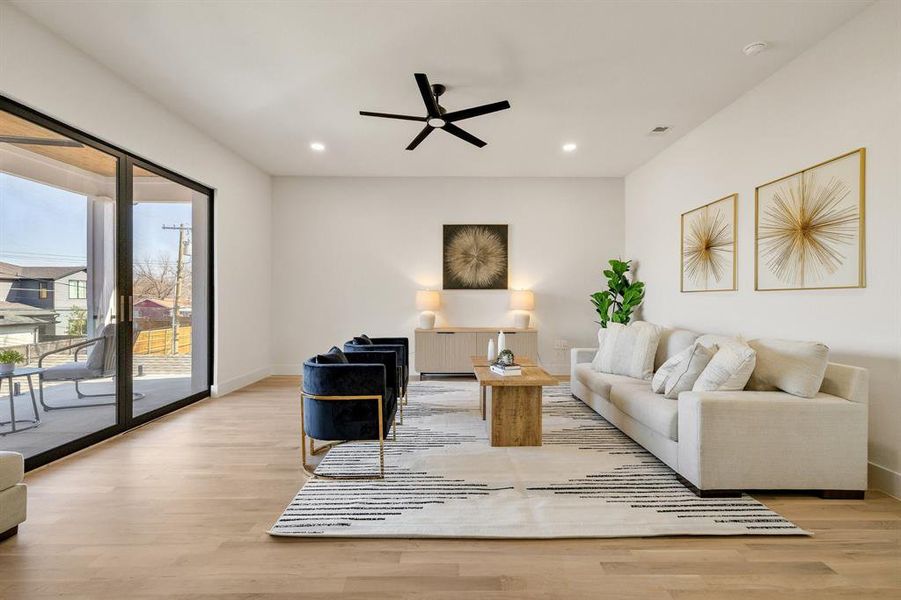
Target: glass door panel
<point x="58" y="297"/>
<point x="170" y="280"/>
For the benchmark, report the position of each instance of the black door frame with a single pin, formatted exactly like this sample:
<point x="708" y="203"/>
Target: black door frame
<point x="125" y="419"/>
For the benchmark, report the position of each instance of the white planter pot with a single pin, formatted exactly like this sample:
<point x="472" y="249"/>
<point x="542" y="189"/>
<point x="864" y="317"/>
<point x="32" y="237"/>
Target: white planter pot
<point x="6" y="368"/>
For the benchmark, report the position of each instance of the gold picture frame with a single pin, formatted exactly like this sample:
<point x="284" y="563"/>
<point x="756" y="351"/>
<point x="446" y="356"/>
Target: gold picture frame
<point x="709" y="247"/>
<point x="810" y="227"/>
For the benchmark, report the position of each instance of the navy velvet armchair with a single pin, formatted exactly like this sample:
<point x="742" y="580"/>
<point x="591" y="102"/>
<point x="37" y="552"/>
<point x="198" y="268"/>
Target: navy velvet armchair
<point x="348" y="397"/>
<point x="399" y="345"/>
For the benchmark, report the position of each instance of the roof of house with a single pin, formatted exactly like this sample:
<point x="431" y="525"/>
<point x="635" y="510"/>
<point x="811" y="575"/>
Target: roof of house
<point x="9" y="270"/>
<point x="168" y="303"/>
<point x="14" y="313"/>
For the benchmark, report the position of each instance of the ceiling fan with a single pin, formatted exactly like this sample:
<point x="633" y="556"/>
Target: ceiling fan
<point x="36" y="141"/>
<point x="437" y="117"/>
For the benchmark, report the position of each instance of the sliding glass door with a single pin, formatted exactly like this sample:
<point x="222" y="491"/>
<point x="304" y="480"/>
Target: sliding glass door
<point x="170" y="286"/>
<point x="105" y="288"/>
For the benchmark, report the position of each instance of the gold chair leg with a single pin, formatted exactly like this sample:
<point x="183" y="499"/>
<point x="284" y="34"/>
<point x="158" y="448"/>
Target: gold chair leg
<point x="310" y="472"/>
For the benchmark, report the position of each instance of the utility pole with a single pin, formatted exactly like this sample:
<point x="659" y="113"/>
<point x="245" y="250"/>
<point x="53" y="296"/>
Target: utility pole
<point x="179" y="268"/>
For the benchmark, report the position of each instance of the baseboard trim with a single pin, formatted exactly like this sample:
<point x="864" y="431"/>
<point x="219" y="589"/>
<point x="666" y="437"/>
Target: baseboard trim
<point x="884" y="479"/>
<point x="236" y="383"/>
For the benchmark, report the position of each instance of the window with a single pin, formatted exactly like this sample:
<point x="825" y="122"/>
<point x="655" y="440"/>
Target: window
<point x="42" y="291"/>
<point x="78" y="290"/>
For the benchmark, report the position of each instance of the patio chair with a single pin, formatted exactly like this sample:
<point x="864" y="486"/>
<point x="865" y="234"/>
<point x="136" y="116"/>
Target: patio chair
<point x="100" y="363"/>
<point x="347" y="397"/>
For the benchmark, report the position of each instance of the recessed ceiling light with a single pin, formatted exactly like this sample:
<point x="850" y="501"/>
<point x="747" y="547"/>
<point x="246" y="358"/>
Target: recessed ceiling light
<point x="317" y="146"/>
<point x="659" y="130"/>
<point x="754" y="48"/>
<point x="569" y="147"/>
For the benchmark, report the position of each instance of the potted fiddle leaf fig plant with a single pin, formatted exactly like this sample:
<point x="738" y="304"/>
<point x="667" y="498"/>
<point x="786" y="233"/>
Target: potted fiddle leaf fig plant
<point x="616" y="303"/>
<point x="8" y="360"/>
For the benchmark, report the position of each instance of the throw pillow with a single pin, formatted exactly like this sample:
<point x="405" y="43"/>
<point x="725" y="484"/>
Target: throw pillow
<point x="686" y="373"/>
<point x="658" y="384"/>
<point x="629" y="349"/>
<point x="334" y="357"/>
<point x="596" y="362"/>
<point x="794" y="367"/>
<point x="362" y="340"/>
<point x="729" y="369"/>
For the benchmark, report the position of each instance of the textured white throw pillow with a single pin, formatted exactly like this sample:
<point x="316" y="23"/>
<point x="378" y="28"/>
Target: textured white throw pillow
<point x="686" y="373"/>
<point x="629" y="349"/>
<point x="794" y="367"/>
<point x="596" y="362"/>
<point x="729" y="369"/>
<point x="658" y="384"/>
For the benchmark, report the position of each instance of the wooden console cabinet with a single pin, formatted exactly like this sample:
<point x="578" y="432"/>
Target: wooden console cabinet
<point x="448" y="350"/>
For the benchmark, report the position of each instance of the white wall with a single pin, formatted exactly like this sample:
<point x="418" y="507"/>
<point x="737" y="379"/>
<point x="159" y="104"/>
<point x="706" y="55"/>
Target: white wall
<point x="350" y="253"/>
<point x="842" y="94"/>
<point x="40" y="70"/>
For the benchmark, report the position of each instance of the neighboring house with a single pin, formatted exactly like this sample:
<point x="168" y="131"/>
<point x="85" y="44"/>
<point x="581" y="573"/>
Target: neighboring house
<point x="152" y="309"/>
<point x="21" y="324"/>
<point x="55" y="290"/>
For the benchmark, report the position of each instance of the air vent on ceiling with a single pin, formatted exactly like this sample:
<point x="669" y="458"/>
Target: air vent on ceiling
<point x="660" y="130"/>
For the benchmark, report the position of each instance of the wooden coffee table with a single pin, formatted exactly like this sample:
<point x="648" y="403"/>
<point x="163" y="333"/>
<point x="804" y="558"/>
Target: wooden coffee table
<point x="512" y="403"/>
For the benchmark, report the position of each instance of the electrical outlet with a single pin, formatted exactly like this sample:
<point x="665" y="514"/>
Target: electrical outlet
<point x="561" y="344"/>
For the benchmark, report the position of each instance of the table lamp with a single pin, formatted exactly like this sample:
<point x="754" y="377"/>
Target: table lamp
<point x="522" y="301"/>
<point x="427" y="301"/>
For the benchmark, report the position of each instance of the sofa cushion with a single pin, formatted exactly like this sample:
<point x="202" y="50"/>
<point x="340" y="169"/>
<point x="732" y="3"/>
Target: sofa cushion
<point x="600" y="383"/>
<point x="652" y="410"/>
<point x="12" y="469"/>
<point x="658" y="383"/>
<point x="596" y="361"/>
<point x="729" y="369"/>
<point x="672" y="342"/>
<point x="363" y="340"/>
<point x="629" y="349"/>
<point x="687" y="372"/>
<point x="794" y="367"/>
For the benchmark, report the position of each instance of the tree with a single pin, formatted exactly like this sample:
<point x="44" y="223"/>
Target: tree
<point x="78" y="322"/>
<point x="154" y="278"/>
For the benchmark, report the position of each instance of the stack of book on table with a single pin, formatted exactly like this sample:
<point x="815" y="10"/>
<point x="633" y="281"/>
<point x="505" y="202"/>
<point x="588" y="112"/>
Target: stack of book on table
<point x="506" y="369"/>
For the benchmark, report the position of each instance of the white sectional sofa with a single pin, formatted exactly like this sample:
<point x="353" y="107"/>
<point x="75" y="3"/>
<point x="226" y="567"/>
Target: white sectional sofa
<point x="13" y="493"/>
<point x="720" y="443"/>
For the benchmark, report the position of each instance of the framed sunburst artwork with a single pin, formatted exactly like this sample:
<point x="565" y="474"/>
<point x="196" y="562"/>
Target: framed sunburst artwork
<point x="708" y="246"/>
<point x="475" y="257"/>
<point x="809" y="227"/>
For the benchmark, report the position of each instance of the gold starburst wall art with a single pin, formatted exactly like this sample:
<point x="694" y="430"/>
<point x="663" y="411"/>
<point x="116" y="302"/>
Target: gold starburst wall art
<point x="810" y="227"/>
<point x="475" y="257"/>
<point x="709" y="246"/>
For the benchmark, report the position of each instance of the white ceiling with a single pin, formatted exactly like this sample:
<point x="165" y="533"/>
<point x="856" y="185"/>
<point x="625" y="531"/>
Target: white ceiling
<point x="267" y="78"/>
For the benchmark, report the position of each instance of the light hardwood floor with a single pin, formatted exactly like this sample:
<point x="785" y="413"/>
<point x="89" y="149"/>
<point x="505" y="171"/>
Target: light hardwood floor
<point x="180" y="508"/>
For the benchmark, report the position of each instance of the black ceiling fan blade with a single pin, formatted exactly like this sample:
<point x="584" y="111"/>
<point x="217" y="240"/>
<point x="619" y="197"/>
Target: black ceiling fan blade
<point x="463" y="135"/>
<point x="468" y="113"/>
<point x="35" y="141"/>
<point x="422" y="135"/>
<point x="366" y="113"/>
<point x="425" y="89"/>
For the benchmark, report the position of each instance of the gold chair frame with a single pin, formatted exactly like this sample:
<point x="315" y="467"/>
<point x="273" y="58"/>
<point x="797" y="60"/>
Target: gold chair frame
<point x="314" y="451"/>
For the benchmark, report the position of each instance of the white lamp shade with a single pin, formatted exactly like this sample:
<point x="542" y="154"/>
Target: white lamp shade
<point x="522" y="300"/>
<point x="428" y="300"/>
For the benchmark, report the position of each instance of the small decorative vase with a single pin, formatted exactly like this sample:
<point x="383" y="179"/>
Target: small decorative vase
<point x="492" y="351"/>
<point x="7" y="368"/>
<point x="501" y="342"/>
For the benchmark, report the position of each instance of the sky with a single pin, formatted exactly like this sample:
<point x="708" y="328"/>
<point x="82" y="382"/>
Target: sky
<point x="44" y="225"/>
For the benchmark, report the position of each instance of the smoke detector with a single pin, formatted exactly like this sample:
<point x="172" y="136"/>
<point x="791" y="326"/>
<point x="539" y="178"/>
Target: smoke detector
<point x="754" y="48"/>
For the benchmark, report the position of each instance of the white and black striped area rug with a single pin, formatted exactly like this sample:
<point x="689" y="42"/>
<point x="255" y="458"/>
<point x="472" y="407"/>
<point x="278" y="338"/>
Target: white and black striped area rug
<point x="444" y="480"/>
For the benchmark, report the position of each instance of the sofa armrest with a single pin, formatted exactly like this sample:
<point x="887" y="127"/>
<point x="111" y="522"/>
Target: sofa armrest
<point x="771" y="440"/>
<point x="12" y="469"/>
<point x="582" y="355"/>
